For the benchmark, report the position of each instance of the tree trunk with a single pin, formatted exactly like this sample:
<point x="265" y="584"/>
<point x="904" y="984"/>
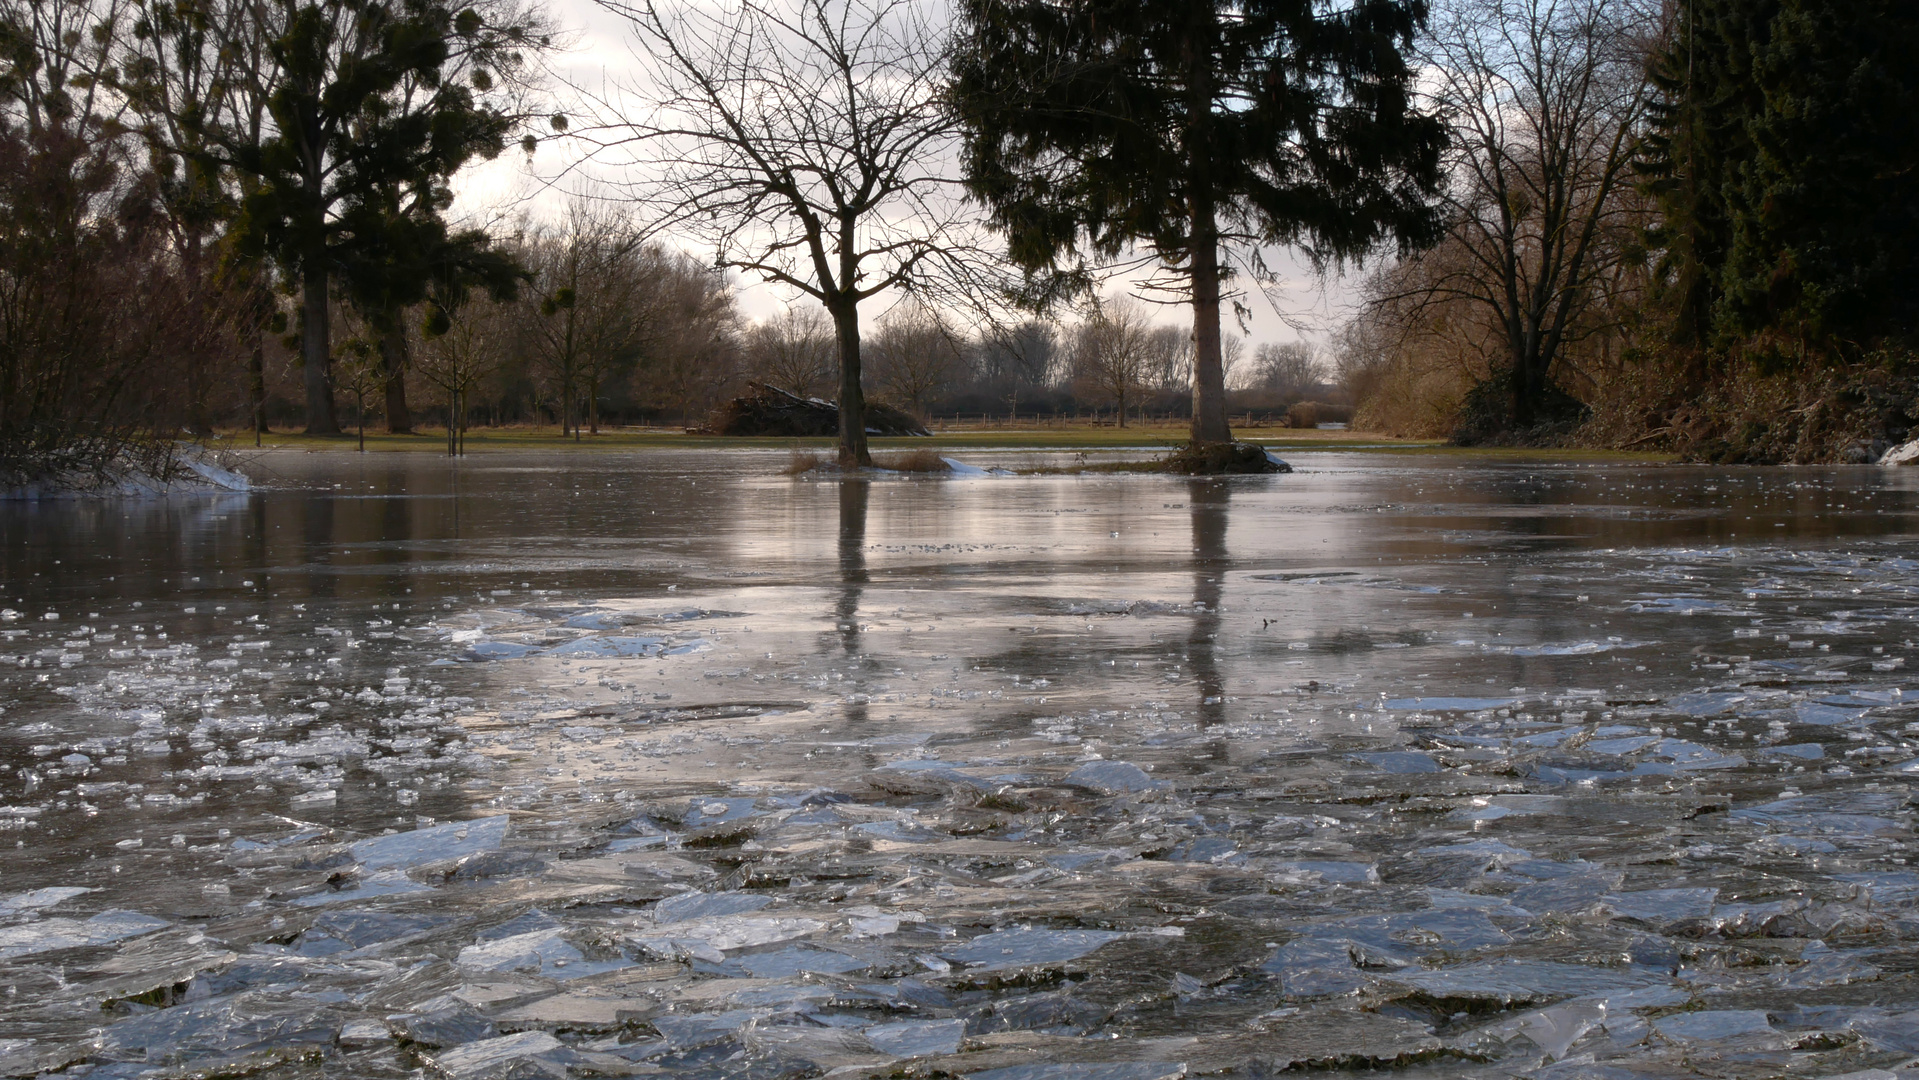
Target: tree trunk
<point x="316" y="347"/>
<point x="1209" y="372"/>
<point x="1525" y="394"/>
<point x="393" y="359"/>
<point x="853" y="451"/>
<point x="257" y="387"/>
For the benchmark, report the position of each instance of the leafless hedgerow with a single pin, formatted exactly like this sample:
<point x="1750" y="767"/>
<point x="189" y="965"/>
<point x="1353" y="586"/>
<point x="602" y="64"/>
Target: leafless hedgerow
<point x="107" y="338"/>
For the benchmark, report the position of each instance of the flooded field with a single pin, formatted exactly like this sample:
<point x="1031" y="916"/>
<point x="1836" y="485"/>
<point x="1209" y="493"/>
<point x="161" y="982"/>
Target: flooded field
<point x="668" y="765"/>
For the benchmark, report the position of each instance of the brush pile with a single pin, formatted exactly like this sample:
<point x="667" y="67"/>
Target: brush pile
<point x="766" y="410"/>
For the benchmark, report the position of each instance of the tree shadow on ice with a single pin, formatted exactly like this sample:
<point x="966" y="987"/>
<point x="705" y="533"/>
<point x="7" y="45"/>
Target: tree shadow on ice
<point x="1208" y="502"/>
<point x="853" y="580"/>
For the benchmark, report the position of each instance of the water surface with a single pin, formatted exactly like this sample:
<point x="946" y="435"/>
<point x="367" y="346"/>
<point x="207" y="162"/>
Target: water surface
<point x="607" y="764"/>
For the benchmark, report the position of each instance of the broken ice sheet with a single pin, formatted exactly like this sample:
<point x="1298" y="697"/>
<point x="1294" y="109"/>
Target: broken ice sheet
<point x="1342" y="873"/>
<point x="1713" y="1025"/>
<point x="710" y="937"/>
<point x="1399" y="761"/>
<point x="699" y="905"/>
<point x="790" y="962"/>
<point x="433" y="844"/>
<point x="1312" y="967"/>
<point x="1817" y="715"/>
<point x="917" y="1038"/>
<point x="1553" y="1029"/>
<point x="1267" y="775"/>
<point x="344" y="930"/>
<point x="1662" y="905"/>
<point x="1087" y="1070"/>
<point x="1114" y="778"/>
<point x="1521" y="981"/>
<point x="1030" y="946"/>
<point x="220" y="1026"/>
<point x="491" y="1057"/>
<point x="1572" y="892"/>
<point x="1853" y="813"/>
<point x="50" y="935"/>
<point x="540" y="952"/>
<point x="38" y="900"/>
<point x="1504" y="806"/>
<point x="598" y="648"/>
<point x="1450" y="704"/>
<point x="389" y="882"/>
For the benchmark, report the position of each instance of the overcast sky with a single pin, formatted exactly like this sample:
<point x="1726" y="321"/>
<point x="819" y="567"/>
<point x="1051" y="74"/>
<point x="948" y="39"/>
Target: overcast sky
<point x="600" y="59"/>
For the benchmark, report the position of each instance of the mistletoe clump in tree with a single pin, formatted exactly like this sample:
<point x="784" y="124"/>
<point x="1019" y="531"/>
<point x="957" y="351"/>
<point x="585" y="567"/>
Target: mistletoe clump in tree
<point x="1095" y="126"/>
<point x="371" y="106"/>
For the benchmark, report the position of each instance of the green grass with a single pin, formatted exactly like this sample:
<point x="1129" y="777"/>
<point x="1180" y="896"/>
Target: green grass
<point x="1084" y="437"/>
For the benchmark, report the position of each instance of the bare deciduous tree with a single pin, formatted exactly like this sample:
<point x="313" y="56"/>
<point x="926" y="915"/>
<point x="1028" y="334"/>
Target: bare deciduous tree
<point x="591" y="300"/>
<point x="915" y="356"/>
<point x="802" y="141"/>
<point x="1547" y="103"/>
<point x="470" y="346"/>
<point x="1113" y="352"/>
<point x="1290" y="369"/>
<point x="794" y="351"/>
<point x="1016" y="359"/>
<point x="690" y="351"/>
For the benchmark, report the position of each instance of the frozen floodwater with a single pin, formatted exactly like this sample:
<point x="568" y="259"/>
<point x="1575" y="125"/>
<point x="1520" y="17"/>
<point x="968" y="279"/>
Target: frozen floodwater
<point x="668" y="765"/>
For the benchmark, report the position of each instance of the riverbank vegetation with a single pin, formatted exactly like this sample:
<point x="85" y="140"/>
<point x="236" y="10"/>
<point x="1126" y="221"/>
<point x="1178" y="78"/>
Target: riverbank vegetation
<point x="1684" y="228"/>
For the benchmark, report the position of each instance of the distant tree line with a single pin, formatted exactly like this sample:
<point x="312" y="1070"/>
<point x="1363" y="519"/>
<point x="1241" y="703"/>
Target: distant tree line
<point x="620" y="332"/>
<point x="236" y="212"/>
<point x="1630" y="222"/>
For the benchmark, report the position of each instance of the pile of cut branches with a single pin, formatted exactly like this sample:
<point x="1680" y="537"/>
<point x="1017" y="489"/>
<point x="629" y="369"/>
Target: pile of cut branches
<point x="767" y="410"/>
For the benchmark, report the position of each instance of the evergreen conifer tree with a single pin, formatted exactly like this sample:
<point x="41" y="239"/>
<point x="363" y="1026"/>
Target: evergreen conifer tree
<point x="360" y="114"/>
<point x="1786" y="163"/>
<point x="1096" y="125"/>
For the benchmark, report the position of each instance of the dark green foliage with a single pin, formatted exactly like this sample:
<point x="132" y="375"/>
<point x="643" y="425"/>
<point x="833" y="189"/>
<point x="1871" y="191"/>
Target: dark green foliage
<point x="1786" y="162"/>
<point x="349" y="179"/>
<point x="398" y="252"/>
<point x="1094" y="125"/>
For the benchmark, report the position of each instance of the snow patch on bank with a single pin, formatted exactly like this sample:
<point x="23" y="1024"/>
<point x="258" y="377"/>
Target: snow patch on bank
<point x="195" y="471"/>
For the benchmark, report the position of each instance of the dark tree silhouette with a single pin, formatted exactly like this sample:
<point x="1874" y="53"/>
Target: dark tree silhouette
<point x="1097" y="125"/>
<point x="364" y="128"/>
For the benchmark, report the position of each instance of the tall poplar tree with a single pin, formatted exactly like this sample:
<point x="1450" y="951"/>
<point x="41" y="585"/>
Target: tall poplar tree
<point x="1093" y="126"/>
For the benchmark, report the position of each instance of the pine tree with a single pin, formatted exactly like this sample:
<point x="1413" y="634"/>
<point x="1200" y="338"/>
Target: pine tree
<point x="1786" y="161"/>
<point x="360" y="114"/>
<point x="1097" y="125"/>
<point x="397" y="252"/>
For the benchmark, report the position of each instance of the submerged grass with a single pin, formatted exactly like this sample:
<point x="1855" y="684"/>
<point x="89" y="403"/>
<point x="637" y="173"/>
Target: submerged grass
<point x="915" y="461"/>
<point x="1088" y="439"/>
<point x="802" y="461"/>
